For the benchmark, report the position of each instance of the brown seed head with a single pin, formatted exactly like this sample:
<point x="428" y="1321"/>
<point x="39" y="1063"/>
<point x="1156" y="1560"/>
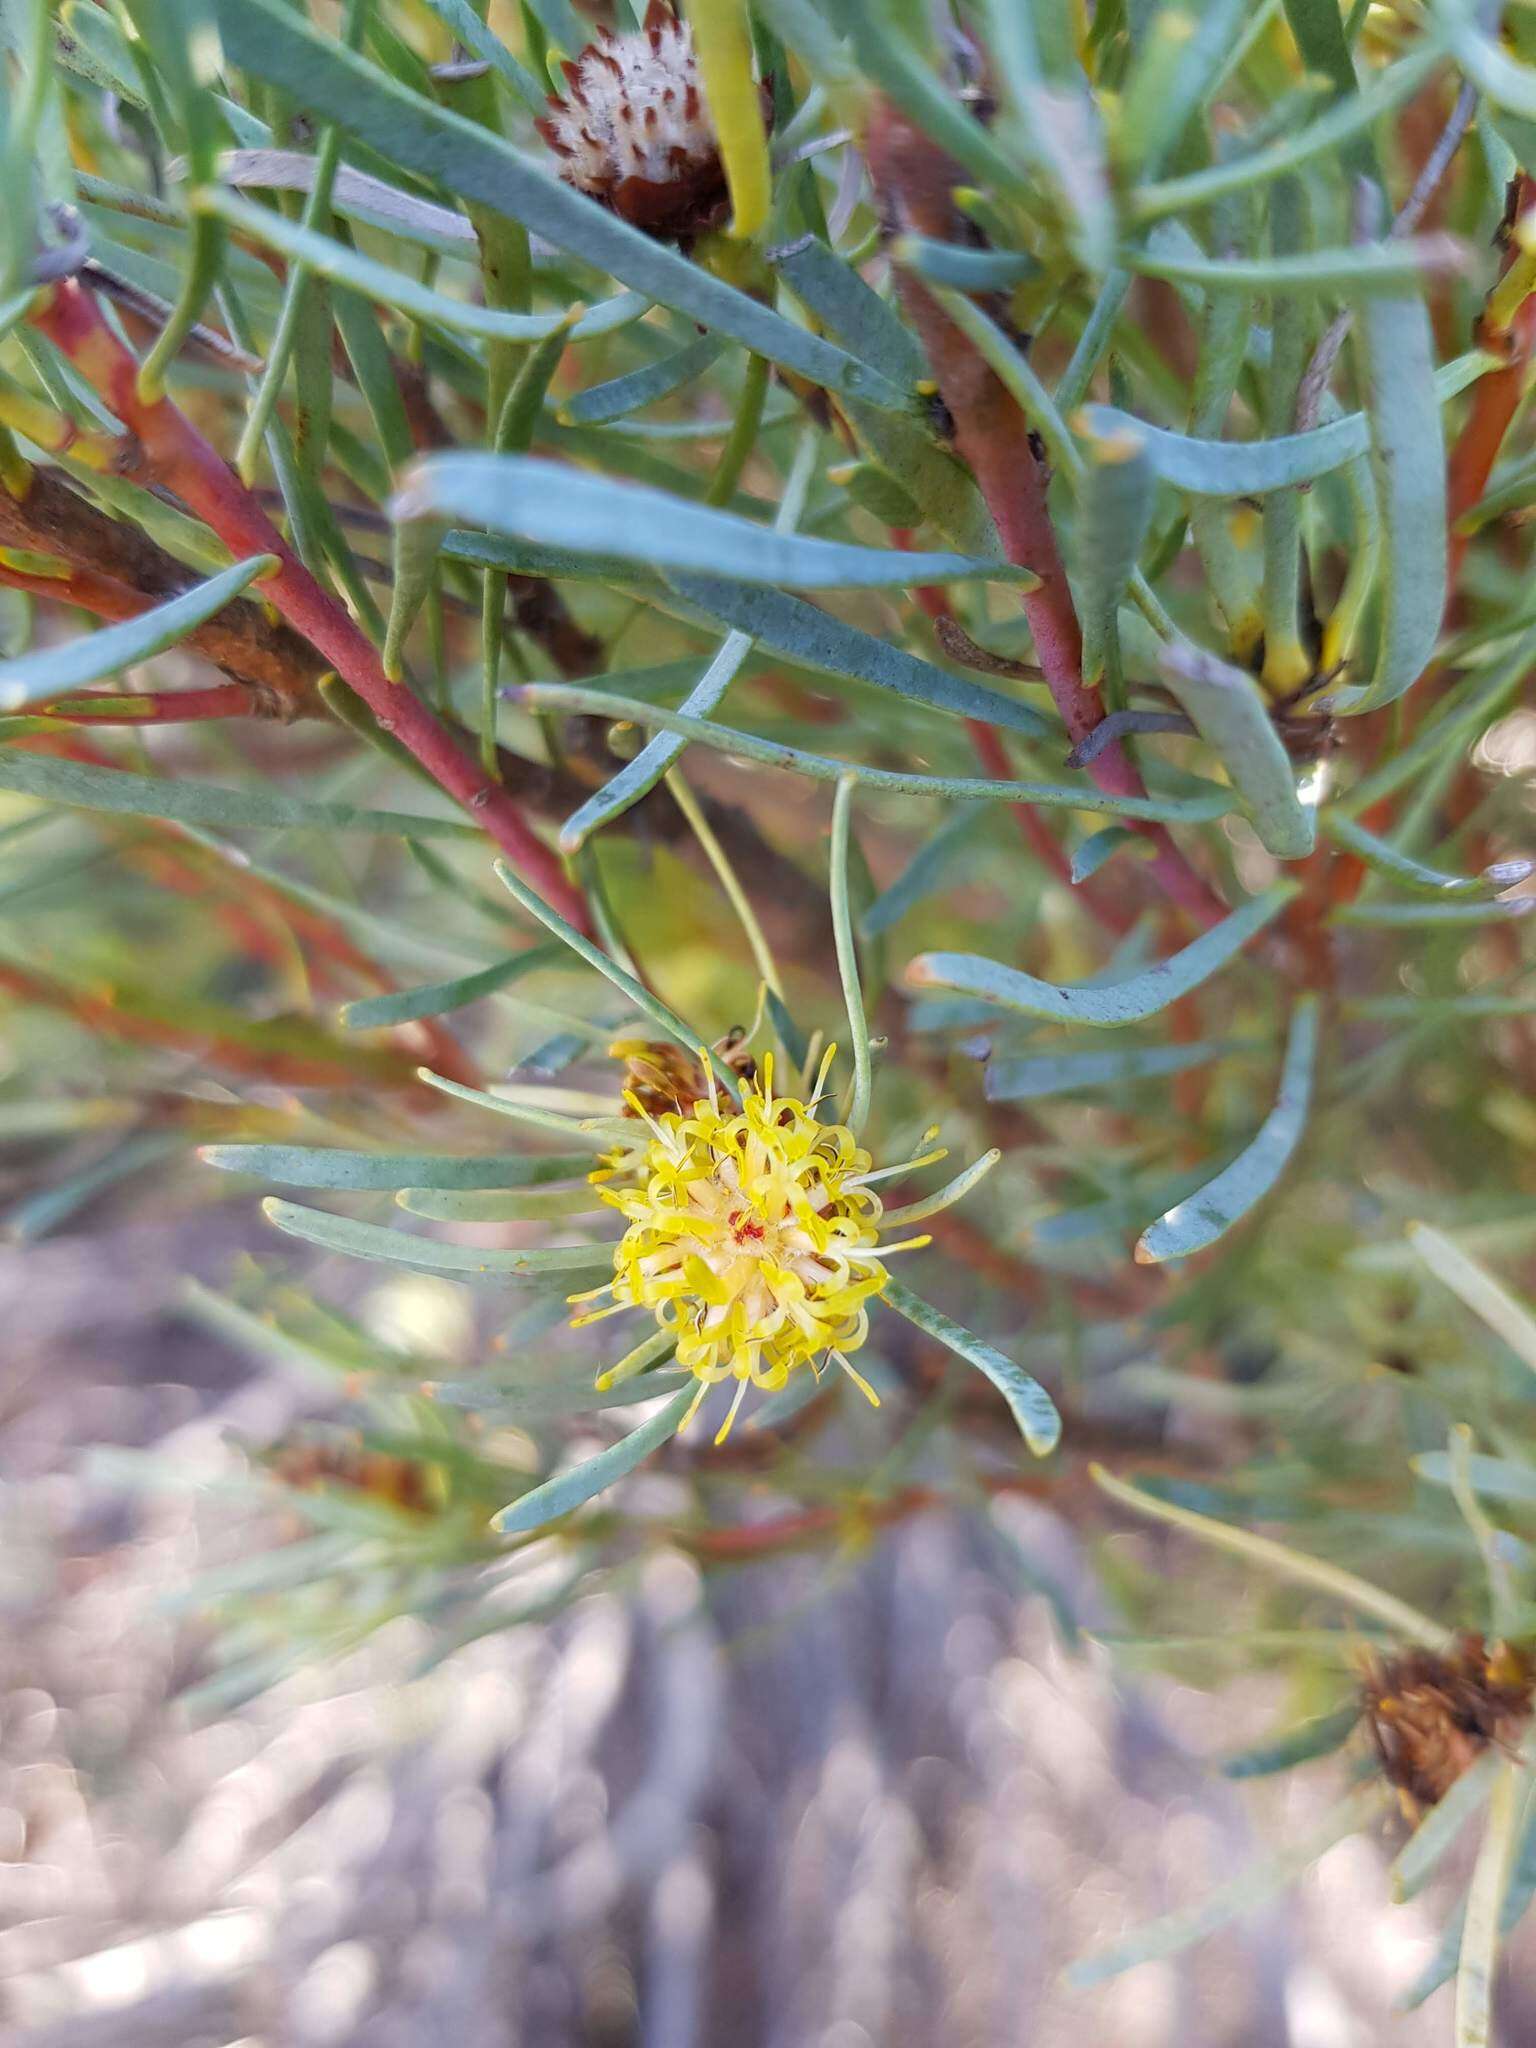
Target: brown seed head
<point x="1432" y="1716"/>
<point x="634" y="132"/>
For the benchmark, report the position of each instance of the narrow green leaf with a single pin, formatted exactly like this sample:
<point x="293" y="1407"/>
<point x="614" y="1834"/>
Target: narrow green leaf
<point x="573" y="1489"/>
<point x="1400" y="867"/>
<point x="598" y="1132"/>
<point x="794" y="627"/>
<point x="822" y="768"/>
<point x="1035" y="1078"/>
<point x="326" y="1166"/>
<point x="1316" y="1738"/>
<point x="1493" y="1478"/>
<point x="1105" y="1004"/>
<point x="495" y="1205"/>
<point x="641" y="775"/>
<point x="1247" y="469"/>
<point x="1358" y="272"/>
<point x="848" y="953"/>
<point x="472" y="32"/>
<point x="1115" y="497"/>
<point x="1200" y="1219"/>
<point x="1507" y="1809"/>
<point x="52" y="670"/>
<point x="343" y="265"/>
<point x="1102" y="846"/>
<point x="89" y="788"/>
<point x="636" y="388"/>
<point x="649" y="1005"/>
<point x="528" y="498"/>
<point x="428" y="1255"/>
<point x="1395" y="348"/>
<point x="268" y="40"/>
<point x="1255" y="1887"/>
<point x="880" y="43"/>
<point x="1297" y="1566"/>
<point x="1506" y="81"/>
<point x="1419" y="1856"/>
<point x="1487" y="1297"/>
<point x="924" y="872"/>
<point x="1520" y="1891"/>
<point x="834" y="291"/>
<point x="953" y="1190"/>
<point x="435" y="999"/>
<point x="1340" y="123"/>
<point x="1233" y="718"/>
<point x="1030" y="1405"/>
<point x="964" y="269"/>
<point x="1467" y="713"/>
<point x="1399" y="915"/>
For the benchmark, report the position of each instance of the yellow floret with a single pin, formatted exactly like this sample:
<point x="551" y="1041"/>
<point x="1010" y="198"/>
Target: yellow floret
<point x="752" y="1236"/>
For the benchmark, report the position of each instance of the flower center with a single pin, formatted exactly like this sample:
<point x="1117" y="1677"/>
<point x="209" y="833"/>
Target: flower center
<point x="750" y="1235"/>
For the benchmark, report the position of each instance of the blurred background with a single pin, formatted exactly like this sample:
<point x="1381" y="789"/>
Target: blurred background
<point x="863" y="1796"/>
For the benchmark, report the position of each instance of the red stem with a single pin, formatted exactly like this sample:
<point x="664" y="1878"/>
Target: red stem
<point x="993" y="756"/>
<point x="182" y="459"/>
<point x="161" y="707"/>
<point x="915" y="177"/>
<point x="1495" y="400"/>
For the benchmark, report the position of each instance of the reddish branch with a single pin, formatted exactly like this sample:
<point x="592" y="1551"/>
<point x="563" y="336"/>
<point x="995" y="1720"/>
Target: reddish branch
<point x="993" y="756"/>
<point x="1495" y="400"/>
<point x="914" y="180"/>
<point x="275" y="1049"/>
<point x="117" y="571"/>
<point x="184" y="462"/>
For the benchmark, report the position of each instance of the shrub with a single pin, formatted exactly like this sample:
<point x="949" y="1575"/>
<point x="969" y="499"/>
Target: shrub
<point x="1086" y="452"/>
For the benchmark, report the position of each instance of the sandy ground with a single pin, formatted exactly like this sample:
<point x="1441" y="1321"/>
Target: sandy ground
<point x="823" y="1805"/>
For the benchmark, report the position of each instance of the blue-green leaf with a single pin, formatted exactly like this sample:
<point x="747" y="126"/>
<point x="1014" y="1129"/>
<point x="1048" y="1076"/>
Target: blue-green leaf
<point x="626" y="394"/>
<point x="502" y="1205"/>
<point x="637" y="777"/>
<point x="1396" y="351"/>
<point x="1248" y="469"/>
<point x="50" y="671"/>
<point x="859" y="317"/>
<point x="1212" y="803"/>
<point x="1105" y="1004"/>
<point x="1262" y="1881"/>
<point x="1356" y="272"/>
<point x="1102" y="846"/>
<point x="1032" y="1079"/>
<point x="1201" y="1218"/>
<point x="1315" y="1738"/>
<point x="924" y="872"/>
<point x="570" y="1490"/>
<point x="270" y="41"/>
<point x="1115" y="493"/>
<point x="1493" y="1478"/>
<point x="791" y="626"/>
<point x="328" y="1166"/>
<point x="549" y="502"/>
<point x="434" y="999"/>
<point x="1400" y="867"/>
<point x="1031" y="1406"/>
<point x="430" y="1255"/>
<point x="90" y="788"/>
<point x="961" y="268"/>
<point x="390" y="287"/>
<point x="1232" y="717"/>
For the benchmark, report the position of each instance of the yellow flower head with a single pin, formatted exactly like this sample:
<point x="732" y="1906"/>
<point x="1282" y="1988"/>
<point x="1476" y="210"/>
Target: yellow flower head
<point x="753" y="1237"/>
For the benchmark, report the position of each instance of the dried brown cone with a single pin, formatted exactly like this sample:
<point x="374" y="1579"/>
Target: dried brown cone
<point x="633" y="129"/>
<point x="1431" y="1716"/>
